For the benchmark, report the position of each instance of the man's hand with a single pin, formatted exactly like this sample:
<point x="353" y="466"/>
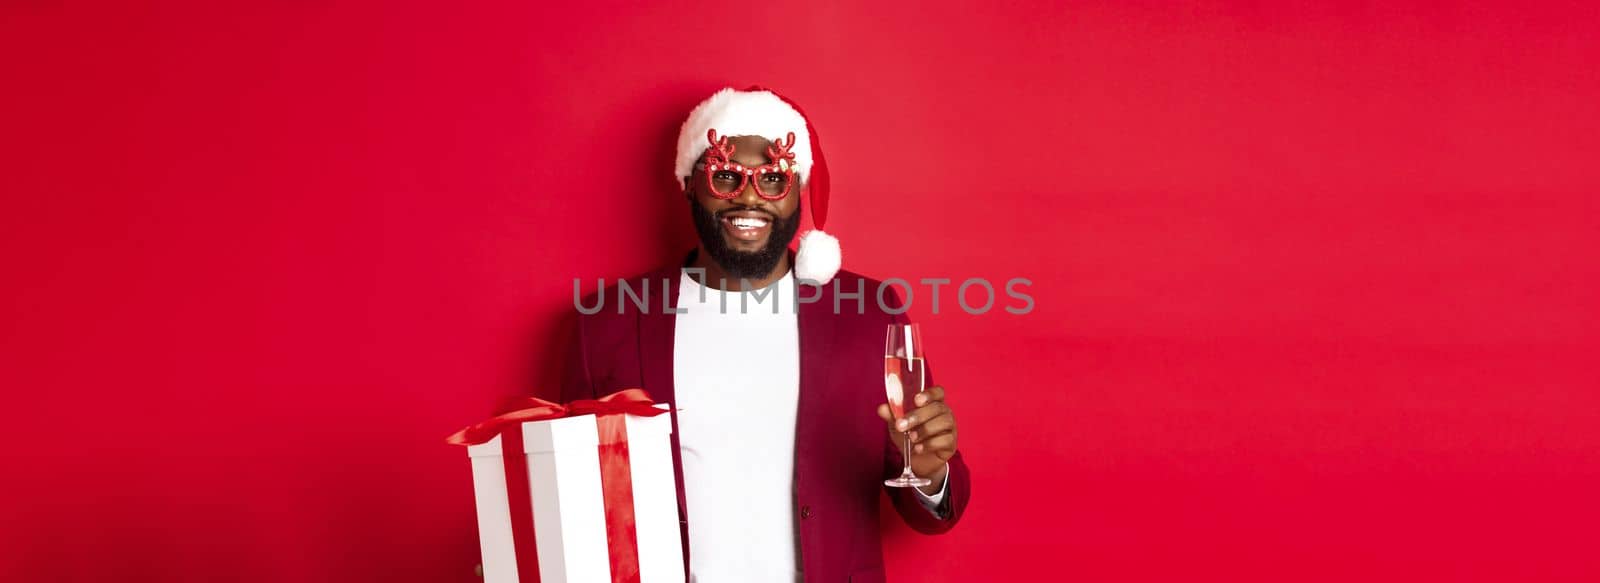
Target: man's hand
<point x="933" y="435"/>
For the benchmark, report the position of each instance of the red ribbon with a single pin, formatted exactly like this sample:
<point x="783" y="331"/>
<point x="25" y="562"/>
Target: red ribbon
<point x="616" y="481"/>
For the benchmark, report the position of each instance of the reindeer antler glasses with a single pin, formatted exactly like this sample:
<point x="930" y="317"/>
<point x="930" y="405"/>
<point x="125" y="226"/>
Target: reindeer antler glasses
<point x="727" y="178"/>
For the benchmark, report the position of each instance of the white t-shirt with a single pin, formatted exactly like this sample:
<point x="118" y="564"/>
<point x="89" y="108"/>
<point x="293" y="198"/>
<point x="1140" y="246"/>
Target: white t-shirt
<point x="736" y="371"/>
<point x="737" y="382"/>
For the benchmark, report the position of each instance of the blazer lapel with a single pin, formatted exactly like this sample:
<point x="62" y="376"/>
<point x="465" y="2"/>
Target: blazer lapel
<point x="657" y="330"/>
<point x="815" y="327"/>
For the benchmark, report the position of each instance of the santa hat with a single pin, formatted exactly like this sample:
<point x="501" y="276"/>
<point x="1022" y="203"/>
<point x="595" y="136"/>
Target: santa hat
<point x="760" y="112"/>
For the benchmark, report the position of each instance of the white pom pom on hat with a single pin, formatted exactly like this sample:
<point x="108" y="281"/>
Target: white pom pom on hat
<point x="758" y="111"/>
<point x="819" y="257"/>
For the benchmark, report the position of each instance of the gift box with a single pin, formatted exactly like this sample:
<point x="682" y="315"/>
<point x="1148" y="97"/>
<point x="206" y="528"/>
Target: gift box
<point x="586" y="492"/>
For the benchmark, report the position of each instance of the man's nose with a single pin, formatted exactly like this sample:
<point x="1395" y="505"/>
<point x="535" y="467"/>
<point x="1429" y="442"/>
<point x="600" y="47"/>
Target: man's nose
<point x="748" y="196"/>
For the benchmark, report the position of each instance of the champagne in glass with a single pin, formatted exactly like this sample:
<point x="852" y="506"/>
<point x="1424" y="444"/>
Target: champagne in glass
<point x="903" y="377"/>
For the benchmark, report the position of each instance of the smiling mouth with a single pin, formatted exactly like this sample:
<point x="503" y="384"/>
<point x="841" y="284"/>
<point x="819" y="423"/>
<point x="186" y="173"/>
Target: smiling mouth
<point x="746" y="227"/>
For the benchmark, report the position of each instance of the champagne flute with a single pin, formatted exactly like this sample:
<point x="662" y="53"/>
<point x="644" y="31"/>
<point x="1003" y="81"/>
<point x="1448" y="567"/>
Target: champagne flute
<point x="904" y="374"/>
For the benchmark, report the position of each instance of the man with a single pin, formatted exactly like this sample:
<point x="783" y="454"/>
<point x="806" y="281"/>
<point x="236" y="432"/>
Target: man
<point x="775" y="385"/>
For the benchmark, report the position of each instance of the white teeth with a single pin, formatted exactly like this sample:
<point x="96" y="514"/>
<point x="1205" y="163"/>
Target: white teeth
<point x="748" y="223"/>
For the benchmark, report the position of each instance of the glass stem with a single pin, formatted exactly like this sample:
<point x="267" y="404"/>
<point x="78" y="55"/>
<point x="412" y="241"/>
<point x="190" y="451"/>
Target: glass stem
<point x="907" y="471"/>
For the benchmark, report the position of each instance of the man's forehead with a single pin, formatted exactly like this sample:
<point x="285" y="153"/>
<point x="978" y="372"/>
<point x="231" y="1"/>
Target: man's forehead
<point x="748" y="150"/>
<point x="751" y="140"/>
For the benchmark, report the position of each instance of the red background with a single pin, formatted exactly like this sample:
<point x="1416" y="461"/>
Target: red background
<point x="1315" y="285"/>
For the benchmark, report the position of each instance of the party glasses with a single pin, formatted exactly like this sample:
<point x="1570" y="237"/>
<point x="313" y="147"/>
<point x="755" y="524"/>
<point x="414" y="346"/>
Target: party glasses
<point x="727" y="178"/>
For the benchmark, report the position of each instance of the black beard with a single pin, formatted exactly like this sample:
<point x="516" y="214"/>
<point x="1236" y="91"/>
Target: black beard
<point x="750" y="265"/>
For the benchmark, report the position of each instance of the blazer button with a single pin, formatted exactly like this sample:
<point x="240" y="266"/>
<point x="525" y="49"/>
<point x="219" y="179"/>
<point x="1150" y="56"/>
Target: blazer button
<point x="805" y="512"/>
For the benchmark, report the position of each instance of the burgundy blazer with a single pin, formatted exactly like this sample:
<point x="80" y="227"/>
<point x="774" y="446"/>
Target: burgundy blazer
<point x="842" y="451"/>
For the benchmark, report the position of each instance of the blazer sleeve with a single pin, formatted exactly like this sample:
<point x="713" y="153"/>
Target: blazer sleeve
<point x="911" y="509"/>
<point x="959" y="479"/>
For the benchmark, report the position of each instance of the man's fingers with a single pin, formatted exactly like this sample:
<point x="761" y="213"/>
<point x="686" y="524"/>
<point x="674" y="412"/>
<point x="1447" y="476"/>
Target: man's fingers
<point x="943" y="445"/>
<point x="934" y="427"/>
<point x="935" y="393"/>
<point x="885" y="415"/>
<point x="916" y="418"/>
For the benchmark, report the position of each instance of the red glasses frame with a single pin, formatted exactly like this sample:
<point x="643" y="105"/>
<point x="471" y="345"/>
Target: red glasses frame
<point x="719" y="159"/>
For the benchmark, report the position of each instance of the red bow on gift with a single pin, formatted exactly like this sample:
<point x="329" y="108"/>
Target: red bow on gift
<point x="615" y="476"/>
<point x="524" y="409"/>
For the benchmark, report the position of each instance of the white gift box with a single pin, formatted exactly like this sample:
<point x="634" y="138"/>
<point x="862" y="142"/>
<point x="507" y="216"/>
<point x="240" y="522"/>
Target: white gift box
<point x="568" y="502"/>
